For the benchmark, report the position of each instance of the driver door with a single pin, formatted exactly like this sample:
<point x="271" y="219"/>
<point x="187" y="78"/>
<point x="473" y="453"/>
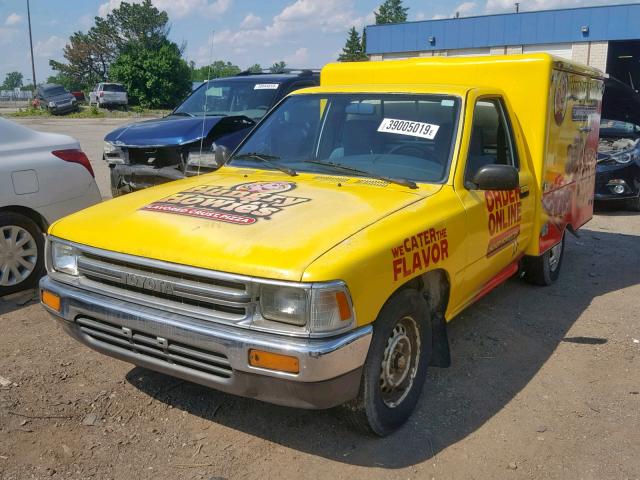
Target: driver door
<point x="499" y="223"/>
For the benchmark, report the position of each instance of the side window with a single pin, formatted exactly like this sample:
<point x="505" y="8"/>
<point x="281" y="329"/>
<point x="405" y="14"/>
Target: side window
<point x="491" y="138"/>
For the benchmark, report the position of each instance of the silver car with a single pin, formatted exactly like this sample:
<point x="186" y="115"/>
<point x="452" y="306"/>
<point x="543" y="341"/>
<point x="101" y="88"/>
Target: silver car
<point x="43" y="177"/>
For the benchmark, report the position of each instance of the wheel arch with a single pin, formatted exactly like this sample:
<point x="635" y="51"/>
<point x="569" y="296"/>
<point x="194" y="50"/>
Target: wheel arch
<point x="30" y="213"/>
<point x="435" y="286"/>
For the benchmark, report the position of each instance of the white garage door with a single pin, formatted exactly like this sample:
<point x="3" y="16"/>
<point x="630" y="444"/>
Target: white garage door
<point x="562" y="50"/>
<point x="468" y="52"/>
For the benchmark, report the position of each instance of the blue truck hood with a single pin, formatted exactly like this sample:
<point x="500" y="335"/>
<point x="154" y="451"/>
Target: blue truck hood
<point x="171" y="130"/>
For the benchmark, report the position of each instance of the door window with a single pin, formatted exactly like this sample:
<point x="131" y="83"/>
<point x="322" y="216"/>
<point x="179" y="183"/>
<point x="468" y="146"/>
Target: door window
<point x="491" y="138"/>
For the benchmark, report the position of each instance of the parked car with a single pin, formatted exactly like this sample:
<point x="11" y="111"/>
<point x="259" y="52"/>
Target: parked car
<point x="108" y="94"/>
<point x="79" y="95"/>
<point x="220" y="112"/>
<point x="321" y="264"/>
<point x="618" y="168"/>
<point x="55" y="98"/>
<point x="43" y="177"/>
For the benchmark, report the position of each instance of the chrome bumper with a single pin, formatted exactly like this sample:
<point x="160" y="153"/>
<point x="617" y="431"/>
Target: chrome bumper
<point x="212" y="354"/>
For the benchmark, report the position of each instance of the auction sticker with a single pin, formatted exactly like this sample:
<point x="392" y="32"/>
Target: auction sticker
<point x="266" y="86"/>
<point x="408" y="127"/>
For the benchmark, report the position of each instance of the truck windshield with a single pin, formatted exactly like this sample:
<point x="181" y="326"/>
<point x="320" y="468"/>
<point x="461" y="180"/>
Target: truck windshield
<point x="223" y="97"/>
<point x="377" y="135"/>
<point x="54" y="91"/>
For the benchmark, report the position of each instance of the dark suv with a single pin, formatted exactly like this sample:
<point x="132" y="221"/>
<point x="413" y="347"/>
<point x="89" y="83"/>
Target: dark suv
<point x="55" y="98"/>
<point x="216" y="117"/>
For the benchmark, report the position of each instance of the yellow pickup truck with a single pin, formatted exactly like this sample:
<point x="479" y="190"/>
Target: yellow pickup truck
<point x="319" y="266"/>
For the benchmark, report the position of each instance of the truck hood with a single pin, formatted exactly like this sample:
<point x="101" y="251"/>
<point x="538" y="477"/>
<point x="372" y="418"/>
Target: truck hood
<point x="250" y="222"/>
<point x="171" y="130"/>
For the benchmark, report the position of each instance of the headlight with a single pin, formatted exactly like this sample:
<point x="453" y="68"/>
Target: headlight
<point x="113" y="153"/>
<point x="285" y="304"/>
<point x="197" y="160"/>
<point x="52" y="104"/>
<point x="319" y="308"/>
<point x="64" y="258"/>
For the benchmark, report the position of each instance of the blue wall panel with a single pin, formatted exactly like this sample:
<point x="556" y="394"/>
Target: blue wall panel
<point x="618" y="22"/>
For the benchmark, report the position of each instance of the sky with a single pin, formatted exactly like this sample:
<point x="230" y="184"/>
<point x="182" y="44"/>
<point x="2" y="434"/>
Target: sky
<point x="303" y="33"/>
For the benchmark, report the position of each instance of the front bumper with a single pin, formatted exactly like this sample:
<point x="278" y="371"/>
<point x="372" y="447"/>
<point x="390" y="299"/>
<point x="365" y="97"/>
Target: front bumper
<point x="212" y="354"/>
<point x="131" y="178"/>
<point x="64" y="108"/>
<point x="609" y="175"/>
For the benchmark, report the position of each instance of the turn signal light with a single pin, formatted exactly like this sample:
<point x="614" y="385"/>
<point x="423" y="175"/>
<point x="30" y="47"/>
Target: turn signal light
<point x="51" y="300"/>
<point x="274" y="361"/>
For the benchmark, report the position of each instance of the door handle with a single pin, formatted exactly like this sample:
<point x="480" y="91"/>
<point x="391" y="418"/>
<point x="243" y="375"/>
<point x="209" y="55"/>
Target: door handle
<point x="524" y="191"/>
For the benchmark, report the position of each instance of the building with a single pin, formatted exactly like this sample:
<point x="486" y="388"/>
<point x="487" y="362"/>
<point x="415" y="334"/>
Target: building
<point x="605" y="37"/>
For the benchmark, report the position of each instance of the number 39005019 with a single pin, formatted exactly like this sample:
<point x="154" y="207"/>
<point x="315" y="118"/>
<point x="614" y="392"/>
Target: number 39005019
<point x="408" y="127"/>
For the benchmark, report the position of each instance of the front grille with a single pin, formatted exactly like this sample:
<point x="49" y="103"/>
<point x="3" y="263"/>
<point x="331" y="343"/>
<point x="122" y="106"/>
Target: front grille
<point x="205" y="296"/>
<point x="145" y="345"/>
<point x="157" y="157"/>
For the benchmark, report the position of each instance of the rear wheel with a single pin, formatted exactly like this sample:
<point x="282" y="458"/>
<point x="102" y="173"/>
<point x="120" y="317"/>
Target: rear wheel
<point x="545" y="269"/>
<point x="21" y="253"/>
<point x="396" y="366"/>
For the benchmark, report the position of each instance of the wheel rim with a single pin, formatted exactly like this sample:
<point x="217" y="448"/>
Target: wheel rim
<point x="18" y="255"/>
<point x="554" y="256"/>
<point x="400" y="362"/>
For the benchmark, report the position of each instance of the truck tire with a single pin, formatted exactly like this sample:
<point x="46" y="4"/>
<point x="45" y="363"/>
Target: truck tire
<point x="545" y="269"/>
<point x="396" y="366"/>
<point x="21" y="253"/>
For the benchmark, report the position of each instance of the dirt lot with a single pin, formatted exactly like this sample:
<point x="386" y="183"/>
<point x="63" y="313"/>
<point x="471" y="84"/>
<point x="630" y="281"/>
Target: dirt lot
<point x="545" y="383"/>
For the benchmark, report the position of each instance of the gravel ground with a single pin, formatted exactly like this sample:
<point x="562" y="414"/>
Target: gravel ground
<point x="545" y="384"/>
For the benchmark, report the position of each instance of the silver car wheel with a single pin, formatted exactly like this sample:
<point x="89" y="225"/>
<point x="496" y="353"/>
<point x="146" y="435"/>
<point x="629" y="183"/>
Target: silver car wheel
<point x="18" y="255"/>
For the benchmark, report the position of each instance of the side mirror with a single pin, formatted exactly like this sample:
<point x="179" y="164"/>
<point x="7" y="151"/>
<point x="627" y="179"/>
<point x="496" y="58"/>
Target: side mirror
<point x="495" y="177"/>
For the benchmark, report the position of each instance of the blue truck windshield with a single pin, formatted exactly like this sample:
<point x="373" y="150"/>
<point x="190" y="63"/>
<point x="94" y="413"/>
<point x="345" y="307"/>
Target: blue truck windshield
<point x="223" y="97"/>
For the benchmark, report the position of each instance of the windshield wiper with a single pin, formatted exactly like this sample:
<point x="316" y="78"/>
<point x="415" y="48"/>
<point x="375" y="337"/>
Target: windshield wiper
<point x="268" y="159"/>
<point x="182" y="114"/>
<point x="399" y="181"/>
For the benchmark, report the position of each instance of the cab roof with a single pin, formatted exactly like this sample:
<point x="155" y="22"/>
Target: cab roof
<point x="420" y="88"/>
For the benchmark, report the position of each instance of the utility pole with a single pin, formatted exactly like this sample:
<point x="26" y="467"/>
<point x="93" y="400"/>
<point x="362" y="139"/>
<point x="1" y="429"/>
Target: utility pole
<point x="33" y="65"/>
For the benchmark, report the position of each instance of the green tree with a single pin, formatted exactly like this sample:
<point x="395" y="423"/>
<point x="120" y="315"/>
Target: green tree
<point x="66" y="81"/>
<point x="12" y="80"/>
<point x="89" y="55"/>
<point x="352" y="50"/>
<point x="255" y="68"/>
<point x="278" y="67"/>
<point x="153" y="78"/>
<point x="391" y="11"/>
<point x="217" y="69"/>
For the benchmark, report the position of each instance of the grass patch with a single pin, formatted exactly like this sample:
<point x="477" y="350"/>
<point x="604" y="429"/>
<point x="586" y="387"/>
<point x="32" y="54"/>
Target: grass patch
<point x="92" y="112"/>
<point x="30" y="112"/>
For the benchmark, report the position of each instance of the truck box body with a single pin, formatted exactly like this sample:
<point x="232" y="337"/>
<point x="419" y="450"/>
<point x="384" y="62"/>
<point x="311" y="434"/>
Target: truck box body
<point x="557" y="106"/>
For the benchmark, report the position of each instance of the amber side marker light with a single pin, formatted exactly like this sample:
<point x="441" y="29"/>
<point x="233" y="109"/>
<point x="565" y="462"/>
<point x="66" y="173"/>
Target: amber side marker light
<point x="51" y="300"/>
<point x="273" y="361"/>
<point x="343" y="306"/>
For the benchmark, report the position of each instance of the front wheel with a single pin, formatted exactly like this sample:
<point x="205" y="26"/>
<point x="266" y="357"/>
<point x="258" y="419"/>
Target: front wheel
<point x="545" y="269"/>
<point x="396" y="366"/>
<point x="21" y="253"/>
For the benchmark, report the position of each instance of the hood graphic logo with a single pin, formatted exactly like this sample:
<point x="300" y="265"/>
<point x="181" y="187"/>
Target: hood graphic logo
<point x="242" y="204"/>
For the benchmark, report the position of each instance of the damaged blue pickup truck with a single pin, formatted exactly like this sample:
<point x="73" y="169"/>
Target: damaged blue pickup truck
<point x="195" y="137"/>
